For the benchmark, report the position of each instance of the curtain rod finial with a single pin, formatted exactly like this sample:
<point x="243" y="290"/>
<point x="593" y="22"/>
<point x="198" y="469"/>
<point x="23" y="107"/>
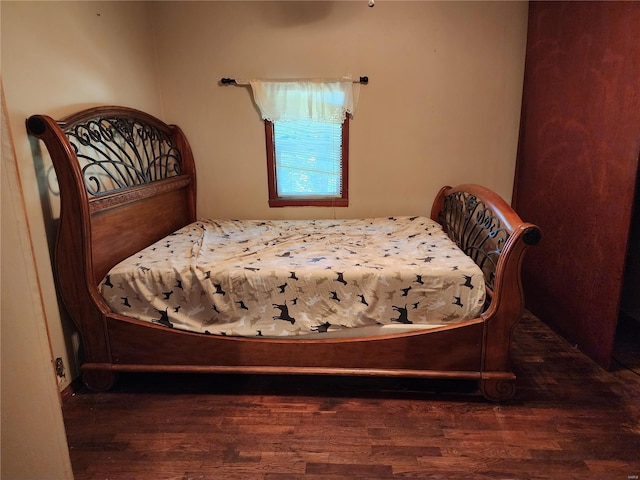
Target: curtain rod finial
<point x="227" y="81"/>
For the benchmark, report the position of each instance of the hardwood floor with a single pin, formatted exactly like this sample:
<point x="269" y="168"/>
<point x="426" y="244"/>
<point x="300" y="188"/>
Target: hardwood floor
<point x="569" y="419"/>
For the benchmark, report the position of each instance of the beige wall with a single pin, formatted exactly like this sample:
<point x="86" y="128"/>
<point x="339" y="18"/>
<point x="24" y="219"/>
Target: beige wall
<point x="33" y="440"/>
<point x="442" y="106"/>
<point x="59" y="57"/>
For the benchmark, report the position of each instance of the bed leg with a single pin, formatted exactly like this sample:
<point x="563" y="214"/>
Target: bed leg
<point x="497" y="390"/>
<point x="99" y="380"/>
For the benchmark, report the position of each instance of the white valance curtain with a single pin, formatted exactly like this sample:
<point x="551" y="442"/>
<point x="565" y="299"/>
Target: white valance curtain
<point x="293" y="100"/>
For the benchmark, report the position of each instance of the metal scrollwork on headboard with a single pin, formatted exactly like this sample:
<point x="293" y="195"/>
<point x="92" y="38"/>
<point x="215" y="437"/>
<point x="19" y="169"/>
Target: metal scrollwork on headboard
<point x="475" y="229"/>
<point x="117" y="152"/>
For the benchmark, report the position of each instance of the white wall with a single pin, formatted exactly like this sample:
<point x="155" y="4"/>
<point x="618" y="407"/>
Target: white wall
<point x="442" y="106"/>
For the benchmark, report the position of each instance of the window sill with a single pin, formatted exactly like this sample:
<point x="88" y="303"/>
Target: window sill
<point x="308" y="202"/>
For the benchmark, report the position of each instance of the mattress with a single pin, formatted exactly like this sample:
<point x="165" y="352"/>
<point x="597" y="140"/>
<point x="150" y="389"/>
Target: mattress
<point x="291" y="278"/>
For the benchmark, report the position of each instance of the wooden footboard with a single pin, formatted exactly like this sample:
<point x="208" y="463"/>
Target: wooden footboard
<point x="127" y="180"/>
<point x="487" y="229"/>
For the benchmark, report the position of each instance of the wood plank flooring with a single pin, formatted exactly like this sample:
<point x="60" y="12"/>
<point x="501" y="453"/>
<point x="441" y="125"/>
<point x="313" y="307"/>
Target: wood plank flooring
<point x="569" y="419"/>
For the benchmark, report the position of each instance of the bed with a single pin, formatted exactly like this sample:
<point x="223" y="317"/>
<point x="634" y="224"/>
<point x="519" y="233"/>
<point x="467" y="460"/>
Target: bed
<point x="153" y="288"/>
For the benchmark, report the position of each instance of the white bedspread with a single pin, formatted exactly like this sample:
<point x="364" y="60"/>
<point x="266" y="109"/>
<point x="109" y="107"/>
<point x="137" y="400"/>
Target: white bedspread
<point x="287" y="278"/>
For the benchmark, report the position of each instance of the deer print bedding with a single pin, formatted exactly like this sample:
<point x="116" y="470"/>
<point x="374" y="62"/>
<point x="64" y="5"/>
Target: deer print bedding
<point x="280" y="278"/>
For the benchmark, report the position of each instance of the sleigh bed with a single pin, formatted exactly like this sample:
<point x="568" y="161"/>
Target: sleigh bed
<point x="153" y="288"/>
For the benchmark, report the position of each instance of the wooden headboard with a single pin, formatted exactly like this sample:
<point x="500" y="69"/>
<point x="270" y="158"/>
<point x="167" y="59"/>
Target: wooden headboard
<point x="108" y="158"/>
<point x="483" y="225"/>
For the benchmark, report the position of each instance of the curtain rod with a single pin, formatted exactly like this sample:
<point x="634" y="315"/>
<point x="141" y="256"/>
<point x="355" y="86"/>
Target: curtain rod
<point x="233" y="81"/>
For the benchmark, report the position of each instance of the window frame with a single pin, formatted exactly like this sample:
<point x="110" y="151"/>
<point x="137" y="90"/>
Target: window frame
<point x="307" y="201"/>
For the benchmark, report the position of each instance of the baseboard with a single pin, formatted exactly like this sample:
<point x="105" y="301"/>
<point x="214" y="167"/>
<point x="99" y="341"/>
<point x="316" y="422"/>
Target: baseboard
<point x="70" y="390"/>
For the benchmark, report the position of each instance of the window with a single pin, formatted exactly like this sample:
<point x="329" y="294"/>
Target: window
<point x="307" y="162"/>
<point x="307" y="136"/>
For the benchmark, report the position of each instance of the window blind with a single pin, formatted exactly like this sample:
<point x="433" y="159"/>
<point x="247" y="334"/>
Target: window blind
<point x="308" y="158"/>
